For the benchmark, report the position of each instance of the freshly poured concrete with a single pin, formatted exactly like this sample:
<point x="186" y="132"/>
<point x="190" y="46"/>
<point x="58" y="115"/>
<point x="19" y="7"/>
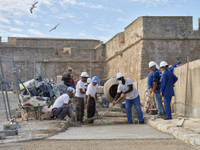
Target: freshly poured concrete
<point x="111" y="132"/>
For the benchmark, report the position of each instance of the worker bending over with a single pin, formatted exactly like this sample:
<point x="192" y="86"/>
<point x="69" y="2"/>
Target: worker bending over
<point x="127" y="88"/>
<point x="61" y="105"/>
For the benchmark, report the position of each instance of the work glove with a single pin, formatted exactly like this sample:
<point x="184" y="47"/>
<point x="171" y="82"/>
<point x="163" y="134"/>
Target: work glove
<point x="152" y="94"/>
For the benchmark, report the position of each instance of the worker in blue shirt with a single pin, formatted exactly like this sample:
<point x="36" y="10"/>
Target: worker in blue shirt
<point x="167" y="90"/>
<point x="155" y="84"/>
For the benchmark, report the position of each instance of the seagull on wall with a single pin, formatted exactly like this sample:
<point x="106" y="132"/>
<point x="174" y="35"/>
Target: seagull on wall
<point x="33" y="6"/>
<point x="54" y="28"/>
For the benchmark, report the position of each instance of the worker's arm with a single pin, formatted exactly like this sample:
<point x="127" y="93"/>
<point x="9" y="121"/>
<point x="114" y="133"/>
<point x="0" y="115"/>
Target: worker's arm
<point x="163" y="83"/>
<point x="81" y="91"/>
<point x="96" y="96"/>
<point x="88" y="101"/>
<point x="154" y="86"/>
<point x="174" y="78"/>
<point x="68" y="103"/>
<point x="69" y="115"/>
<point x="130" y="88"/>
<point x="149" y="81"/>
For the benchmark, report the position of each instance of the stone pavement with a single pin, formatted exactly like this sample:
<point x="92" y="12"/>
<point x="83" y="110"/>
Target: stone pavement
<point x="189" y="132"/>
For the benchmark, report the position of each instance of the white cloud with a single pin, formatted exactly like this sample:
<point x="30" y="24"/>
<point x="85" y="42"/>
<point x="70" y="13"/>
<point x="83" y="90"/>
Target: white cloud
<point x="18" y="22"/>
<point x="3" y="19"/>
<point x="3" y="26"/>
<point x="17" y="35"/>
<point x="16" y="30"/>
<point x="47" y="2"/>
<point x="116" y="10"/>
<point x="82" y="34"/>
<point x="48" y="25"/>
<point x="152" y="1"/>
<point x="102" y="27"/>
<point x="122" y="20"/>
<point x="74" y="2"/>
<point x="104" y="38"/>
<point x="66" y="33"/>
<point x="78" y="21"/>
<point x="35" y="32"/>
<point x="64" y="16"/>
<point x="34" y="24"/>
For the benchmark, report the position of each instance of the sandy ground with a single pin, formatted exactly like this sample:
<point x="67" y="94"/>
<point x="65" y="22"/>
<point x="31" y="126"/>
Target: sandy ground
<point x="163" y="144"/>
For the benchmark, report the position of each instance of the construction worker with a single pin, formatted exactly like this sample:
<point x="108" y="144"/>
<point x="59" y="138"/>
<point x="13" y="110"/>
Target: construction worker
<point x="92" y="97"/>
<point x="69" y="69"/>
<point x="150" y="87"/>
<point x="79" y="97"/>
<point x="127" y="88"/>
<point x="66" y="78"/>
<point x="155" y="87"/>
<point x="61" y="105"/>
<point x="167" y="90"/>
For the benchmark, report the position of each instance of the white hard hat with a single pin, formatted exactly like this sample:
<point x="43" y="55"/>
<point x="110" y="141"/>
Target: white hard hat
<point x="152" y="63"/>
<point x="157" y="67"/>
<point x="89" y="80"/>
<point x="69" y="68"/>
<point x="163" y="64"/>
<point x="84" y="74"/>
<point x="119" y="75"/>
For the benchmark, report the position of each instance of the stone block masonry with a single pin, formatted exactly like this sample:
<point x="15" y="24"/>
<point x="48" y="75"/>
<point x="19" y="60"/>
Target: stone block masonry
<point x="151" y="38"/>
<point x="147" y="38"/>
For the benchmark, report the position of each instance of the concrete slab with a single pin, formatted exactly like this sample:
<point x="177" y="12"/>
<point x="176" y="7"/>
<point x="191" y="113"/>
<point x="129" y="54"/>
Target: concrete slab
<point x="111" y="132"/>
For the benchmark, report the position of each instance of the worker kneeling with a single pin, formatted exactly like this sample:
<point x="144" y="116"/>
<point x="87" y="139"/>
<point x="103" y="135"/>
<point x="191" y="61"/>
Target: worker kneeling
<point x="127" y="88"/>
<point x="61" y="105"/>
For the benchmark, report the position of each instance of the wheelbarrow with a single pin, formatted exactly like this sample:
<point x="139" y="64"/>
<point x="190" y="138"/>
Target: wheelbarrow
<point x="36" y="109"/>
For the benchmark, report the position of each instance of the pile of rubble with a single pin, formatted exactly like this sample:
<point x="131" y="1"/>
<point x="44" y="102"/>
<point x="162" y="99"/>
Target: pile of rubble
<point x="37" y="97"/>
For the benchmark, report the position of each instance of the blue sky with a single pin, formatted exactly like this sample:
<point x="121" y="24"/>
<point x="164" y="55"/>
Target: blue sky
<point x="91" y="19"/>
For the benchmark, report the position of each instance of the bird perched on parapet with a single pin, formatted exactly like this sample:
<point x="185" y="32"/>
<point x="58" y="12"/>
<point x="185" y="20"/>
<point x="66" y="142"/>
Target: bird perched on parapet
<point x="54" y="28"/>
<point x="33" y="6"/>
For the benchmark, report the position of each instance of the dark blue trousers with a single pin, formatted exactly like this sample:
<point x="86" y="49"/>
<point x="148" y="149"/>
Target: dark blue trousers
<point x="167" y="101"/>
<point x="60" y="112"/>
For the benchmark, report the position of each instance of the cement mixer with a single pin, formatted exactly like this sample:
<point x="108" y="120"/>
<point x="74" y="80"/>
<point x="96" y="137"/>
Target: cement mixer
<point x="110" y="90"/>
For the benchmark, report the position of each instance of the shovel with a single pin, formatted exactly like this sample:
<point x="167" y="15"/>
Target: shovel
<point x="119" y="100"/>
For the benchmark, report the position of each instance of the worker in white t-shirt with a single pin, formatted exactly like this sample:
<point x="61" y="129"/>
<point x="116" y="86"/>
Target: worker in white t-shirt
<point x="127" y="88"/>
<point x="92" y="97"/>
<point x="79" y="97"/>
<point x="61" y="104"/>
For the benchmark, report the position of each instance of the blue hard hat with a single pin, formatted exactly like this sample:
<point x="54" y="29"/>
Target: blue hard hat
<point x="71" y="89"/>
<point x="95" y="79"/>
